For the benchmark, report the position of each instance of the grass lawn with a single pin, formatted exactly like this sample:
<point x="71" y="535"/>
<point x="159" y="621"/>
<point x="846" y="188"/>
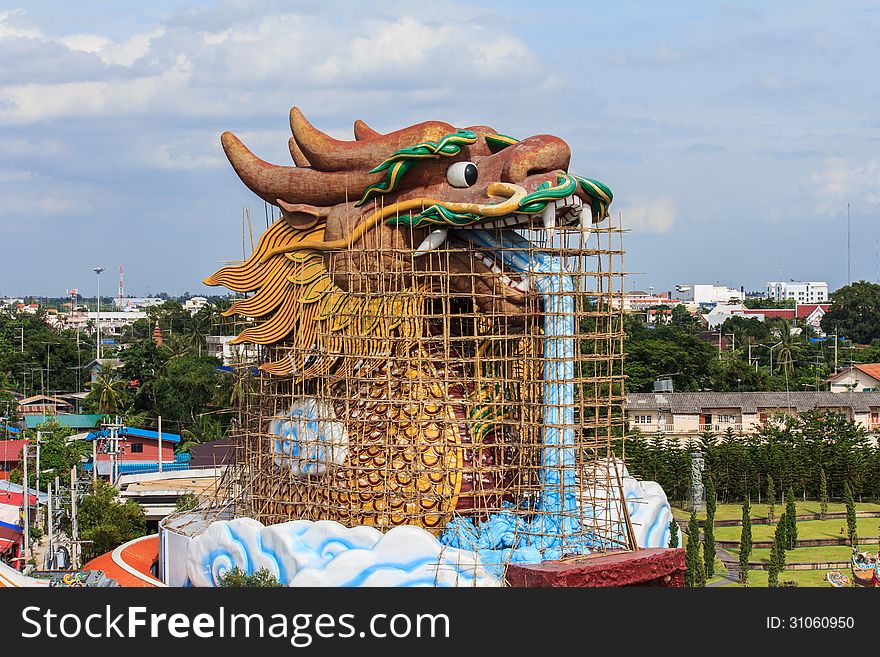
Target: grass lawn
<point x="734" y="511"/>
<point x="812" y="578"/>
<point x="807" y="529"/>
<point x="814" y="554"/>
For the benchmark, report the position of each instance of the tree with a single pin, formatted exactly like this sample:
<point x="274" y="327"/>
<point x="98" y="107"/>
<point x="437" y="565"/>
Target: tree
<point x="107" y="393"/>
<point x="823" y="494"/>
<point x="673" y="533"/>
<point x="695" y="575"/>
<point x="709" y="529"/>
<point x="851" y="526"/>
<point x="107" y="522"/>
<point x="239" y="578"/>
<point x="777" y="552"/>
<point x="745" y="542"/>
<point x="854" y="312"/>
<point x="771" y="499"/>
<point x="791" y="532"/>
<point x="186" y="502"/>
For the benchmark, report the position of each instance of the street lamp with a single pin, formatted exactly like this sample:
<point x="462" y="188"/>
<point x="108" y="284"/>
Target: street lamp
<point x="98" y="271"/>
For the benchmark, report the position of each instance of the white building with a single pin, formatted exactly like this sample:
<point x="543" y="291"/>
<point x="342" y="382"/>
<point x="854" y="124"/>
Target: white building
<point x="687" y="414"/>
<point x="709" y="294"/>
<point x="805" y="292"/>
<point x="194" y="304"/>
<point x="230" y="354"/>
<point x="722" y="312"/>
<point x="858" y="378"/>
<point x="136" y="303"/>
<point x="638" y="301"/>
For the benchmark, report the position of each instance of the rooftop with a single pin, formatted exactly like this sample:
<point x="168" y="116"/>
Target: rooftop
<point x="750" y="402"/>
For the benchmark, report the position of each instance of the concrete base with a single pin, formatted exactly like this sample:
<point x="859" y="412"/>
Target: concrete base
<point x="647" y="567"/>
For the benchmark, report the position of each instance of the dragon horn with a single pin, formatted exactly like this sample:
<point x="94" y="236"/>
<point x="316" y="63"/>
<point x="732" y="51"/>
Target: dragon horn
<point x="293" y="184"/>
<point x="363" y="132"/>
<point x="328" y="154"/>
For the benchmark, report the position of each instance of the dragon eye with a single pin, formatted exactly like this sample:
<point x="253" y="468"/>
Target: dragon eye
<point x="462" y="174"/>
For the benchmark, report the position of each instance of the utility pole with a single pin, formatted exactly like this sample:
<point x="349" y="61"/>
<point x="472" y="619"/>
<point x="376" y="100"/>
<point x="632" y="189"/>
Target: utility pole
<point x="160" y="443"/>
<point x="50" y="548"/>
<point x="98" y="271"/>
<point x="835" y="352"/>
<point x="26" y="505"/>
<point x="74" y="529"/>
<point x="37" y="475"/>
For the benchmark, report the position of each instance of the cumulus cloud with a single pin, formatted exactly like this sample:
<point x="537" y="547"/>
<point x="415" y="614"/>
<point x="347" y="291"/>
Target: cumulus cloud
<point x="650" y="215"/>
<point x="839" y="182"/>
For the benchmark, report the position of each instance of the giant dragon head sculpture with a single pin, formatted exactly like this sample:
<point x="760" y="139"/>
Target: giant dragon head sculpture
<point x="360" y="218"/>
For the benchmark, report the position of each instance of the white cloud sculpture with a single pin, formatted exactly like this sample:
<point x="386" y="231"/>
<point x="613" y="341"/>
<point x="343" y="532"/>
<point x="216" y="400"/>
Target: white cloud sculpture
<point x="325" y="553"/>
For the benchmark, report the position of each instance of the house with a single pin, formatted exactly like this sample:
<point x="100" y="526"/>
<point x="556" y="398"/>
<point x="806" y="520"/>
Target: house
<point x="10" y="456"/>
<point x="811" y="314"/>
<point x="11" y="518"/>
<point x="98" y="365"/>
<point x="722" y="312"/>
<point x="138" y="451"/>
<point x="43" y="405"/>
<point x="157" y="492"/>
<point x="219" y="346"/>
<point x="858" y="378"/>
<point x="687" y="414"/>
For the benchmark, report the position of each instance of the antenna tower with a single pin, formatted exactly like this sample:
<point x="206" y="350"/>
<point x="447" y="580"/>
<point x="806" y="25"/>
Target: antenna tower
<point x="121" y="299"/>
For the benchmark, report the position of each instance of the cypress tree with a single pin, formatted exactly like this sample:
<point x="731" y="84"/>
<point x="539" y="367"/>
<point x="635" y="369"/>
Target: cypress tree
<point x="673" y="533"/>
<point x="851" y="526"/>
<point x="745" y="543"/>
<point x="709" y="529"/>
<point x="695" y="576"/>
<point x="791" y="533"/>
<point x="780" y="540"/>
<point x="771" y="499"/>
<point x="777" y="552"/>
<point x="823" y="494"/>
<point x="773" y="570"/>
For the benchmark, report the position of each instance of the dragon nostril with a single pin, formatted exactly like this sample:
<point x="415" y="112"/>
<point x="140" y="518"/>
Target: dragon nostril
<point x="534" y="156"/>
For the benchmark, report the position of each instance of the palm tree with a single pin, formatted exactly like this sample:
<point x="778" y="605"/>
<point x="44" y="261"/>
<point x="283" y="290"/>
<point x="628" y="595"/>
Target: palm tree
<point x="107" y="392"/>
<point x="788" y="347"/>
<point x="205" y="430"/>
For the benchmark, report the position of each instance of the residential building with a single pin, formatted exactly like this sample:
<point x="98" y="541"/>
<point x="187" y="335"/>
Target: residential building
<point x="138" y="451"/>
<point x="638" y="301"/>
<point x="194" y="304"/>
<point x="43" y="405"/>
<point x="707" y="294"/>
<point x="721" y="313"/>
<point x="858" y="378"/>
<point x="157" y="492"/>
<point x="95" y="367"/>
<point x="802" y="292"/>
<point x="219" y="346"/>
<point x="112" y="322"/>
<point x="10" y="456"/>
<point x="687" y="414"/>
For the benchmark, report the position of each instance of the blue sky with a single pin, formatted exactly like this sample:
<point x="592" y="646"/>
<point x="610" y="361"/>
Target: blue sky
<point x="733" y="134"/>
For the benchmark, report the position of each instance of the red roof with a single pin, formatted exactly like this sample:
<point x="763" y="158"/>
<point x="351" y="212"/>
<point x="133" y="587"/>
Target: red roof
<point x="871" y="369"/>
<point x="10" y="450"/>
<point x="807" y="309"/>
<point x="781" y="313"/>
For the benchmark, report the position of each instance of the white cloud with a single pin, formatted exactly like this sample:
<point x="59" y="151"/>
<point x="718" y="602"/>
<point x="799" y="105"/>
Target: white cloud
<point x="839" y="182"/>
<point x="653" y="216"/>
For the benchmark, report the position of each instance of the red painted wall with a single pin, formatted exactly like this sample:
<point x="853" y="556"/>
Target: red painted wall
<point x="150" y="453"/>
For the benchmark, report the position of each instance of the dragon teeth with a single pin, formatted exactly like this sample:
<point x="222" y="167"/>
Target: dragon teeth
<point x="434" y="240"/>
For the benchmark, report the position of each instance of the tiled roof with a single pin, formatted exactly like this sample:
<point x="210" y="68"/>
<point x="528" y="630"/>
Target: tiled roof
<point x="782" y="313"/>
<point x="694" y="403"/>
<point x="807" y="309"/>
<point x="871" y="369"/>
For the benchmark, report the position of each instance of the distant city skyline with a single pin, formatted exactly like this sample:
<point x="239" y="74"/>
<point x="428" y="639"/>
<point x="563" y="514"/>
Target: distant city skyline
<point x="732" y="133"/>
